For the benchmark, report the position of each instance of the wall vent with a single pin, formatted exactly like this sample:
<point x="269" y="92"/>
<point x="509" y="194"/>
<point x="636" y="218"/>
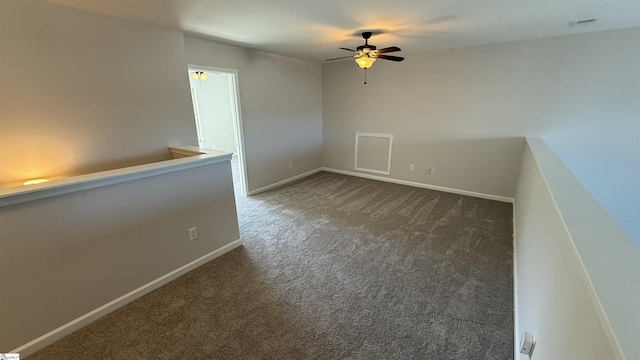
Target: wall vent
<point x="583" y="22"/>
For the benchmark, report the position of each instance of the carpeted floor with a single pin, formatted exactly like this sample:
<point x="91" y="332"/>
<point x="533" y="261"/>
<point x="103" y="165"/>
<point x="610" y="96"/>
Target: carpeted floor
<point x="333" y="267"/>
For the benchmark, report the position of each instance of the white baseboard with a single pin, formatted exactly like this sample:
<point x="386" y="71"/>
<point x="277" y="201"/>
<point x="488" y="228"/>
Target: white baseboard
<point x="66" y="329"/>
<point x="421" y="185"/>
<point x="283" y="182"/>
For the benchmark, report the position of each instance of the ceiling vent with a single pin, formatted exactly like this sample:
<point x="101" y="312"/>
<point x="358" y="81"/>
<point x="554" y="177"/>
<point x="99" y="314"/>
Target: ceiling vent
<point x="583" y="22"/>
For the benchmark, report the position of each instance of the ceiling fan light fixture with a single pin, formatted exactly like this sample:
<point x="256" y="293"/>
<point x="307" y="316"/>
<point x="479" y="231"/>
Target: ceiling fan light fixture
<point x="365" y="55"/>
<point x="365" y="62"/>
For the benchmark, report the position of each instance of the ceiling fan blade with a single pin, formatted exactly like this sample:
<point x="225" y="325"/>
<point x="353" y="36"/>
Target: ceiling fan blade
<point x="348" y="49"/>
<point x="388" y="50"/>
<point x="389" y="57"/>
<point x="343" y="57"/>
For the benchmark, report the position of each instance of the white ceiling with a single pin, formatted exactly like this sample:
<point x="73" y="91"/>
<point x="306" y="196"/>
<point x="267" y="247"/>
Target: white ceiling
<point x="313" y="30"/>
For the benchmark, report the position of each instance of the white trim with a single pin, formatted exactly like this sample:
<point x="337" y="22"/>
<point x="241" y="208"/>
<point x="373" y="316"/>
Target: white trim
<point x="424" y="186"/>
<point x="385" y="179"/>
<point x="375" y="171"/>
<point x="20" y="194"/>
<point x="68" y="328"/>
<point x="237" y="112"/>
<point x="196" y="114"/>
<point x="283" y="182"/>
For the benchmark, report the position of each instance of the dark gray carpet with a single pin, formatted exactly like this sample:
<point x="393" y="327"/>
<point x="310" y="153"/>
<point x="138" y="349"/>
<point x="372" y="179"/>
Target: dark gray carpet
<point x="333" y="267"/>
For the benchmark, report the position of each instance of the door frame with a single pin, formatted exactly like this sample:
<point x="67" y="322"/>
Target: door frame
<point x="236" y="115"/>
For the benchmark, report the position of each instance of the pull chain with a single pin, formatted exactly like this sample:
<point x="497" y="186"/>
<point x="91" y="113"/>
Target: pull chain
<point x="365" y="76"/>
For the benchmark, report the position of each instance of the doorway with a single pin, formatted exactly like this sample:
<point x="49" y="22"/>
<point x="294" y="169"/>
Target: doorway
<point x="216" y="106"/>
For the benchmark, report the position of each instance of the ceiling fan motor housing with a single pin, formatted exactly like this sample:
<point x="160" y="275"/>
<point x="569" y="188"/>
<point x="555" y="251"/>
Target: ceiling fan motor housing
<point x="366" y="35"/>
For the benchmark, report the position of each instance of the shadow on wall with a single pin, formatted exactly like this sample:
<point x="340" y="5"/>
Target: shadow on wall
<point x="156" y="156"/>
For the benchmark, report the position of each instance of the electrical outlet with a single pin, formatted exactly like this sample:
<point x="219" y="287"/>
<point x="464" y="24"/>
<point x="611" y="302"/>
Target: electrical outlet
<point x="193" y="233"/>
<point x="433" y="170"/>
<point x="411" y="167"/>
<point x="290" y="164"/>
<point x="527" y="344"/>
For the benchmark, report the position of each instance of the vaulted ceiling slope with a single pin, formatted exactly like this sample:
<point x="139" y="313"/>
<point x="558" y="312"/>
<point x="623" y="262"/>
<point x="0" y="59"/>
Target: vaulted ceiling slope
<point x="313" y="30"/>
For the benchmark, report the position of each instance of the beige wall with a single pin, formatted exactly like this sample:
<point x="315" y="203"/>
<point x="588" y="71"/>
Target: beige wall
<point x="81" y="92"/>
<point x="464" y="111"/>
<point x="67" y="255"/>
<point x="553" y="291"/>
<point x="444" y="110"/>
<point x="281" y="100"/>
<point x="594" y="80"/>
<point x="568" y="250"/>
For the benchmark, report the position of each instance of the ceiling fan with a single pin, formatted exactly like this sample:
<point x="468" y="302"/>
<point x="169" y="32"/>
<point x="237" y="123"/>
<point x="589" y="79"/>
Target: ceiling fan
<point x="365" y="55"/>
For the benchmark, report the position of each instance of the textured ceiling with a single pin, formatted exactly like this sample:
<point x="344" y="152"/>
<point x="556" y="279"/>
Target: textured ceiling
<point x="313" y="30"/>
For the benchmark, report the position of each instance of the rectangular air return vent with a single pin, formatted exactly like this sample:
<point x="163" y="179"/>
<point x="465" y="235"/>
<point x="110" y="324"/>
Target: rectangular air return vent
<point x="373" y="153"/>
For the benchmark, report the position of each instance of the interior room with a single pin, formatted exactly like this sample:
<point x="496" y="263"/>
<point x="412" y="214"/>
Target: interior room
<point x="402" y="169"/>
